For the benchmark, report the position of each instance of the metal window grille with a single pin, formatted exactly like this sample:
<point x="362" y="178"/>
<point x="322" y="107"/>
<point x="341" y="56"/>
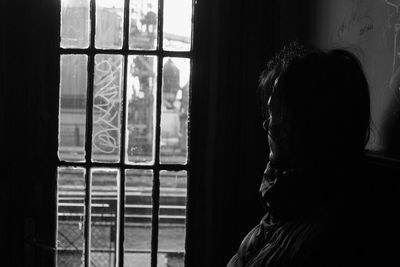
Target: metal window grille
<point x="84" y="211"/>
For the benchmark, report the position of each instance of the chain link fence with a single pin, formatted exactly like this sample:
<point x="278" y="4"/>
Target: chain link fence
<point x="70" y="247"/>
<point x="71" y="242"/>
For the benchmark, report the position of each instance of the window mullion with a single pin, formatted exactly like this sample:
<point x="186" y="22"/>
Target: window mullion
<point x="88" y="214"/>
<point x="68" y="51"/>
<point x="89" y="129"/>
<point x="155" y="218"/>
<point x="89" y="104"/>
<point x="125" y="45"/>
<point x="156" y="182"/>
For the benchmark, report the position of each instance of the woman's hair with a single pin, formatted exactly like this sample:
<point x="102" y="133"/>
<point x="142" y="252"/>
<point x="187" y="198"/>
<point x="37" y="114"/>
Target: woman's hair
<point x="321" y="100"/>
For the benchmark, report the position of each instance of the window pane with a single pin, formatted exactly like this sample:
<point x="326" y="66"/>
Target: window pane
<point x="143" y="24"/>
<point x="172" y="217"/>
<point x="174" y="114"/>
<point x="107" y="108"/>
<point x="138" y="214"/>
<point x="71" y="216"/>
<point x="177" y="25"/>
<point x="75" y="23"/>
<point x="104" y="216"/>
<point x="72" y="117"/>
<point x="141" y="87"/>
<point x="109" y="23"/>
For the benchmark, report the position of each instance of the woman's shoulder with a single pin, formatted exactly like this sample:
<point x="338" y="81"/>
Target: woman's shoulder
<point x="273" y="242"/>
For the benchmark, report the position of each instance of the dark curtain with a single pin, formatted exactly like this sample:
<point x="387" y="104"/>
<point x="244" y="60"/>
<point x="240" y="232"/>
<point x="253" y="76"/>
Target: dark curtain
<point x="233" y="40"/>
<point x="28" y="131"/>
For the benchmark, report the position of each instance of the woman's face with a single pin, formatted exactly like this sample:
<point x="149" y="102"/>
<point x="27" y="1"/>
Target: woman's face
<point x="278" y="134"/>
<point x="268" y="125"/>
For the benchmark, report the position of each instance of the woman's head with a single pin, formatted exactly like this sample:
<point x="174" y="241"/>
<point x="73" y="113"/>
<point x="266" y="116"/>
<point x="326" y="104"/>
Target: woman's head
<point x="318" y="106"/>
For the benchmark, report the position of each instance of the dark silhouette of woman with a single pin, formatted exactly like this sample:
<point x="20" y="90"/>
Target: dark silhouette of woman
<point x="318" y="122"/>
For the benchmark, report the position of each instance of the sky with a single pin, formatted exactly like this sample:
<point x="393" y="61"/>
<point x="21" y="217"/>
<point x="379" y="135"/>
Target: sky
<point x="177" y="17"/>
<point x="177" y="13"/>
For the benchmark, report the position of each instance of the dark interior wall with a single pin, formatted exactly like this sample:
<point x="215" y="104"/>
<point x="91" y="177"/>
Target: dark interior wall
<point x="368" y="29"/>
<point x="313" y="23"/>
<point x="28" y="82"/>
<point x="28" y="131"/>
<point x="384" y="182"/>
<point x="229" y="160"/>
<point x="235" y="158"/>
<point x="296" y="18"/>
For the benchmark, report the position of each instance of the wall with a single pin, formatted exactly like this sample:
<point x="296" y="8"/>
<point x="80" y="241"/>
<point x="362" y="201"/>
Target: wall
<point x="369" y="28"/>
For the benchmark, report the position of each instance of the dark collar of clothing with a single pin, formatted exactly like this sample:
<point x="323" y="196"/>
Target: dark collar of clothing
<point x="292" y="193"/>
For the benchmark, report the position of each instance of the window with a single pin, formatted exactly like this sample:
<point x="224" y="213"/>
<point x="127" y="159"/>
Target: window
<point x="125" y="71"/>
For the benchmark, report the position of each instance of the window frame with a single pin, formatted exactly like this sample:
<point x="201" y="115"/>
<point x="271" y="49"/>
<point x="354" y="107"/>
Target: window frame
<point x="88" y="165"/>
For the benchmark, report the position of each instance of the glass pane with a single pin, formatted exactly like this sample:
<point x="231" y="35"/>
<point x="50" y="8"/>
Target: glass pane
<point x="174" y="113"/>
<point x="72" y="117"/>
<point x="172" y="217"/>
<point x="138" y="211"/>
<point x="75" y="23"/>
<point x="177" y="25"/>
<point x="71" y="217"/>
<point x="104" y="217"/>
<point x="107" y="108"/>
<point x="109" y="23"/>
<point x="141" y="88"/>
<point x="143" y="24"/>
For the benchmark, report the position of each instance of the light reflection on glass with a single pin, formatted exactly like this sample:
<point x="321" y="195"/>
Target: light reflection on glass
<point x="172" y="217"/>
<point x="174" y="112"/>
<point x="109" y="23"/>
<point x="75" y="23"/>
<point x="141" y="87"/>
<point x="72" y="117"/>
<point x="138" y="217"/>
<point x="177" y="30"/>
<point x="107" y="108"/>
<point x="143" y="24"/>
<point x="70" y="216"/>
<point x="104" y="217"/>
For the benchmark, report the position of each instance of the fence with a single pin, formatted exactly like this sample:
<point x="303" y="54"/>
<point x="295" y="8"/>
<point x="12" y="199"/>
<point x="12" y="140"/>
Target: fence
<point x="137" y="243"/>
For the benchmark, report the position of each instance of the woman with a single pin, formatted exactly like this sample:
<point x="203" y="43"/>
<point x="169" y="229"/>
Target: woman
<point x="318" y="117"/>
